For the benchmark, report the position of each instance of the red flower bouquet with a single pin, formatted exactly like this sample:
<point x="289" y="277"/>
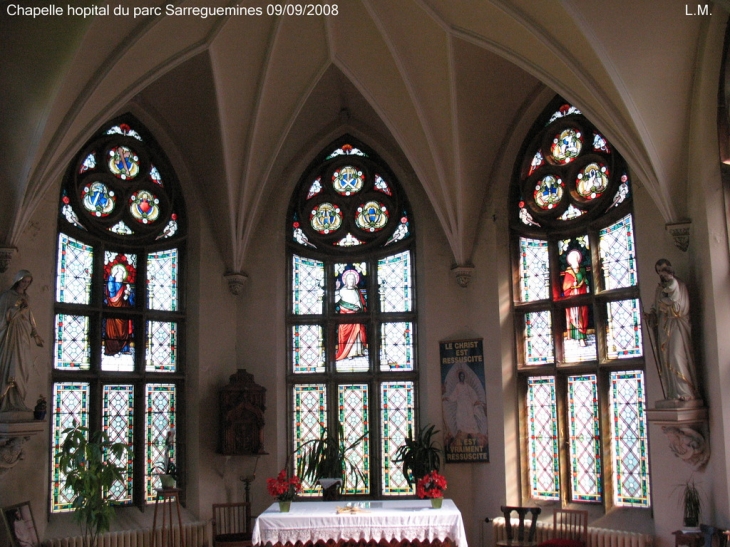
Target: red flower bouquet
<point x="431" y="486"/>
<point x="284" y="488"/>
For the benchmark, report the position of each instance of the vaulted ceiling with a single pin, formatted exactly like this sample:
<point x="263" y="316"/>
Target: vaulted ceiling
<point x="443" y="81"/>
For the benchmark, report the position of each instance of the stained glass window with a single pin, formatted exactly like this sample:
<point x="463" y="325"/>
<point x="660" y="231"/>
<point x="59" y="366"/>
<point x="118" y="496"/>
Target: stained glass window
<point x="577" y="314"/>
<point x="534" y="270"/>
<point x="73" y="275"/>
<point x="629" y="439"/>
<point x="354" y="416"/>
<point x="307" y="285"/>
<point x="618" y="258"/>
<point x="351" y="326"/>
<point x="160" y="441"/>
<point x="119" y="306"/>
<point x="118" y="422"/>
<point x="538" y="338"/>
<point x="308" y="348"/>
<point x="396" y="420"/>
<point x="310" y="419"/>
<point x="70" y="408"/>
<point x="585" y="438"/>
<point x="543" y="438"/>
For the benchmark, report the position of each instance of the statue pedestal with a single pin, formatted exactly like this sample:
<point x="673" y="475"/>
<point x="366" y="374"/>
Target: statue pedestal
<point x="685" y="423"/>
<point x="13" y="434"/>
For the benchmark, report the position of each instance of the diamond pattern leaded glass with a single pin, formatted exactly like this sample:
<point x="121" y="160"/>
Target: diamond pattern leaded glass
<point x="161" y="350"/>
<point x="162" y="277"/>
<point x="618" y="258"/>
<point x="534" y="270"/>
<point x="159" y="420"/>
<point x="307" y="349"/>
<point x="307" y="285"/>
<point x="70" y="407"/>
<point x="396" y="346"/>
<point x="585" y="439"/>
<point x="118" y="422"/>
<point x="72" y="350"/>
<point x="629" y="440"/>
<point x="543" y="438"/>
<point x="623" y="336"/>
<point x="396" y="420"/>
<point x="394" y="283"/>
<point x="354" y="403"/>
<point x="310" y="419"/>
<point x="538" y="338"/>
<point x="73" y="271"/>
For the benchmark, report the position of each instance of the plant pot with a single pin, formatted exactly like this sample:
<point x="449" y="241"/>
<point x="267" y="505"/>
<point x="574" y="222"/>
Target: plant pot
<point x="436" y="502"/>
<point x="167" y="481"/>
<point x="284" y="506"/>
<point x="330" y="489"/>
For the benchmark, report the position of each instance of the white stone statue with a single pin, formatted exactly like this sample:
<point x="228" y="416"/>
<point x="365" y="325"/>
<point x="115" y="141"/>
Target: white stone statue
<point x="671" y="336"/>
<point x="17" y="329"/>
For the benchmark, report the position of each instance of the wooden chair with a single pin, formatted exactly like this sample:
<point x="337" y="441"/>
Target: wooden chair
<point x="570" y="529"/>
<point x="232" y="524"/>
<point x="520" y="540"/>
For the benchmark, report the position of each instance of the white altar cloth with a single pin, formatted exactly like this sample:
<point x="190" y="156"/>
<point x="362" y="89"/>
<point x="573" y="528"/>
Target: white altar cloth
<point x="409" y="520"/>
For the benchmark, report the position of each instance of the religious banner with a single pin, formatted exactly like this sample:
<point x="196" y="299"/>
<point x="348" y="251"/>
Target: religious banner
<point x="464" y="401"/>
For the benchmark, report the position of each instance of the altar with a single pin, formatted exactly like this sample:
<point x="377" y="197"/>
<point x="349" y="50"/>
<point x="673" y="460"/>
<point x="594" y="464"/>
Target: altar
<point x="403" y="521"/>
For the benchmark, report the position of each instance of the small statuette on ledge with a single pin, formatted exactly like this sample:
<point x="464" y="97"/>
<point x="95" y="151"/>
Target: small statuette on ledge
<point x="462" y="274"/>
<point x="236" y="281"/>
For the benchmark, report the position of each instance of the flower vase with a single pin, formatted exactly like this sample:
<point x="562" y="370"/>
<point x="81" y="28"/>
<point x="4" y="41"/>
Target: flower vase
<point x="436" y="502"/>
<point x="284" y="506"/>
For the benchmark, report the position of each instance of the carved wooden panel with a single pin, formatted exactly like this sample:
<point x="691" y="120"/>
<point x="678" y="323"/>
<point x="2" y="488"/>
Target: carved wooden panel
<point x="242" y="406"/>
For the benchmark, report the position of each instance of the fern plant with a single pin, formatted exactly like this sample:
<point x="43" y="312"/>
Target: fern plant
<point x="691" y="504"/>
<point x="419" y="455"/>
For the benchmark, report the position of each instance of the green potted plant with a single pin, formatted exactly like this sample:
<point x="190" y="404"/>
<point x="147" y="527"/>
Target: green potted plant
<point x="691" y="502"/>
<point x="420" y="455"/>
<point x="329" y="458"/>
<point x="90" y="465"/>
<point x="166" y="467"/>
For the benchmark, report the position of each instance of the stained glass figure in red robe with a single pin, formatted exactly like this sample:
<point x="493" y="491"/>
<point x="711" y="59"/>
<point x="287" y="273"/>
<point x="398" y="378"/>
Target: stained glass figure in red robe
<point x="575" y="283"/>
<point x="349" y="298"/>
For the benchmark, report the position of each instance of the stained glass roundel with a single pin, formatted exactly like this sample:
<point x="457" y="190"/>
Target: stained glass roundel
<point x="592" y="180"/>
<point x="348" y="180"/>
<point x="123" y="162"/>
<point x="98" y="199"/>
<point x="566" y="146"/>
<point x="371" y="216"/>
<point x="548" y="192"/>
<point x="326" y="218"/>
<point x="144" y="206"/>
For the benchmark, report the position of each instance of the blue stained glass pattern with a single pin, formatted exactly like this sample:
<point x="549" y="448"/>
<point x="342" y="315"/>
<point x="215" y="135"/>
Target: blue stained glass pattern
<point x="395" y="285"/>
<point x="72" y="350"/>
<point x="160" y="438"/>
<point x="309" y="421"/>
<point x="539" y="338"/>
<point x="161" y="350"/>
<point x="396" y="420"/>
<point x="585" y="440"/>
<point x="623" y="336"/>
<point x="542" y="450"/>
<point x="118" y="422"/>
<point x="70" y="408"/>
<point x="396" y="346"/>
<point x="308" y="349"/>
<point x="629" y="439"/>
<point x="618" y="256"/>
<point x="74" y="267"/>
<point x="353" y="408"/>
<point x="534" y="270"/>
<point x="307" y="285"/>
<point x="162" y="280"/>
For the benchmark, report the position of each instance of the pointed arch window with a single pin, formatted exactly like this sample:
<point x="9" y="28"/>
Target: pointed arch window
<point x="120" y="308"/>
<point x="577" y="317"/>
<point x="351" y="320"/>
